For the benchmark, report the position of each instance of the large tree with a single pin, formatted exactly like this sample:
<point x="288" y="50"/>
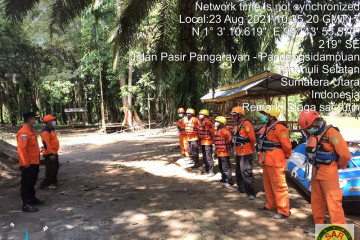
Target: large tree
<point x="178" y="83"/>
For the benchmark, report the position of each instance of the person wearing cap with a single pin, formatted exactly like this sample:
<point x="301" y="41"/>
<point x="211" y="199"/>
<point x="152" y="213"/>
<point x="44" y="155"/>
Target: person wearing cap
<point x="275" y="147"/>
<point x="222" y="142"/>
<point x="327" y="151"/>
<point x="29" y="159"/>
<point x="50" y="151"/>
<point x="182" y="136"/>
<point x="206" y="135"/>
<point x="191" y="129"/>
<point x="243" y="138"/>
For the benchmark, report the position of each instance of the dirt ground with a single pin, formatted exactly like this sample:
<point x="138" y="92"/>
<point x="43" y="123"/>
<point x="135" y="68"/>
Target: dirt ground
<point x="133" y="186"/>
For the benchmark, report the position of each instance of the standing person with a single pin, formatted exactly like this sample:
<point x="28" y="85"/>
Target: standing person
<point x="244" y="139"/>
<point x="275" y="147"/>
<point x="191" y="129"/>
<point x="182" y="135"/>
<point x="29" y="159"/>
<point x="223" y="145"/>
<point x="327" y="151"/>
<point x="206" y="135"/>
<point x="50" y="151"/>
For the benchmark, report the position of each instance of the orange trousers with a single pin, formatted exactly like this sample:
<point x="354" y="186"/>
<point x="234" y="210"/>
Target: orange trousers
<point x="327" y="193"/>
<point x="183" y="145"/>
<point x="276" y="189"/>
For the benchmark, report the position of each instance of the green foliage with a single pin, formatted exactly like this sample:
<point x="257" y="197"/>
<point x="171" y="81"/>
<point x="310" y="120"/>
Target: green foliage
<point x="18" y="64"/>
<point x="56" y="86"/>
<point x="50" y="72"/>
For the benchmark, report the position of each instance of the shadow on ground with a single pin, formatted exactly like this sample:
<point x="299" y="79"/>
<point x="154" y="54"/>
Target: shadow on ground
<point x="139" y="189"/>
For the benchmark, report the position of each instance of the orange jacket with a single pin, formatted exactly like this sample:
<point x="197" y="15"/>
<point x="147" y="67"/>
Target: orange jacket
<point x="27" y="146"/>
<point x="222" y="142"/>
<point x="247" y="131"/>
<point x="181" y="126"/>
<point x="277" y="157"/>
<point x="191" y="128"/>
<point x="50" y="141"/>
<point x="206" y="131"/>
<point x="332" y="141"/>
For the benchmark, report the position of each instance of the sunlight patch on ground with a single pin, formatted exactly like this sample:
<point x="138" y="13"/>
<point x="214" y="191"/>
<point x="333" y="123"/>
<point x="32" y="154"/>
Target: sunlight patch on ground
<point x="103" y="139"/>
<point x="67" y="209"/>
<point x="157" y="168"/>
<point x="298" y="214"/>
<point x="69" y="226"/>
<point x="6" y="175"/>
<point x="93" y="228"/>
<point x="245" y="213"/>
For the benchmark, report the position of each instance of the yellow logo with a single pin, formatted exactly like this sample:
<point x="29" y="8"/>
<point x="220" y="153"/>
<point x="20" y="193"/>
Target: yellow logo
<point x="335" y="140"/>
<point x="334" y="232"/>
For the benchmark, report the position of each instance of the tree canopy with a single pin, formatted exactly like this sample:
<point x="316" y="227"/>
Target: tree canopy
<point x="59" y="54"/>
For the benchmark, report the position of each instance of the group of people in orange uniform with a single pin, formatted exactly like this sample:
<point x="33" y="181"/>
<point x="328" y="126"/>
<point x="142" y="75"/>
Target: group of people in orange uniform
<point x="29" y="158"/>
<point x="326" y="151"/>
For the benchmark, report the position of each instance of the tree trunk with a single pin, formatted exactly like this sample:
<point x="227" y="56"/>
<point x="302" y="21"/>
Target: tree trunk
<point x="131" y="118"/>
<point x="1" y="113"/>
<point x="149" y="115"/>
<point x="2" y="97"/>
<point x="13" y="103"/>
<point x="101" y="93"/>
<point x="130" y="82"/>
<point x="118" y="6"/>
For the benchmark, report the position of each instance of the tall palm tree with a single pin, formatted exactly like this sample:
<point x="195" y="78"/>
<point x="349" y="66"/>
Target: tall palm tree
<point x="171" y="36"/>
<point x="135" y="11"/>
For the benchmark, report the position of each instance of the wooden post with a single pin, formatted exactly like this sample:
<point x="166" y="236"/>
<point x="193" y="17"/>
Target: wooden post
<point x="223" y="109"/>
<point x="267" y="93"/>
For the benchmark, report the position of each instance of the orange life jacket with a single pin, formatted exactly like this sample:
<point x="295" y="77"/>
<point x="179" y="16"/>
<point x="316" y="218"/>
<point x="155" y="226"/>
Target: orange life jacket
<point x="204" y="133"/>
<point x="181" y="125"/>
<point x="220" y="141"/>
<point x="190" y="127"/>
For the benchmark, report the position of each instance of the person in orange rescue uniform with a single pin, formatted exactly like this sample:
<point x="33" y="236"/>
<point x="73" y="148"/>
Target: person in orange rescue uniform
<point x="332" y="153"/>
<point x="275" y="147"/>
<point x="222" y="142"/>
<point x="50" y="151"/>
<point x="244" y="139"/>
<point x="182" y="136"/>
<point x="191" y="129"/>
<point x="29" y="159"/>
<point x="206" y="135"/>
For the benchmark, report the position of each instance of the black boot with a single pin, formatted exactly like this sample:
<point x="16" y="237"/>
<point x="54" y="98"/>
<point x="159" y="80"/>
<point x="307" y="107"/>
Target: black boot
<point x="29" y="208"/>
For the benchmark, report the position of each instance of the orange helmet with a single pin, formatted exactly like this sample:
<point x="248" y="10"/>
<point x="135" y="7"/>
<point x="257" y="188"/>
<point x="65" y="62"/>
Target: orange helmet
<point x="48" y="118"/>
<point x="237" y="109"/>
<point x="181" y="110"/>
<point x="307" y="117"/>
